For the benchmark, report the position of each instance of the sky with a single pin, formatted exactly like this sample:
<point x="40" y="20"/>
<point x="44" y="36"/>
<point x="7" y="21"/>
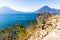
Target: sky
<point x="29" y="5"/>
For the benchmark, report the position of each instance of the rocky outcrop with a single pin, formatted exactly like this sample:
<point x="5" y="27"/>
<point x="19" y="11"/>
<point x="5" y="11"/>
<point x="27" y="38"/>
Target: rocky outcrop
<point x="54" y="34"/>
<point x="51" y="30"/>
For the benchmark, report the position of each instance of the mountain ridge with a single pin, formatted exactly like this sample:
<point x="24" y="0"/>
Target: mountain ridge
<point x="43" y="9"/>
<point x="47" y="9"/>
<point x="6" y="10"/>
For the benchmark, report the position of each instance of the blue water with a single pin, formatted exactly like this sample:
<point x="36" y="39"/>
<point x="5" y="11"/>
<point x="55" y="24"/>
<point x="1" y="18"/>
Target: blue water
<point x="7" y="20"/>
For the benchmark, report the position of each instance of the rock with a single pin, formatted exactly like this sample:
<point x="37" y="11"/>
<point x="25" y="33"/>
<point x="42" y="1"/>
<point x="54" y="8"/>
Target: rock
<point x="51" y="30"/>
<point x="54" y="35"/>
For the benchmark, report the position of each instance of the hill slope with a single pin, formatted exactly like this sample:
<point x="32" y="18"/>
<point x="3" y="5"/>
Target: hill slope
<point x="51" y="30"/>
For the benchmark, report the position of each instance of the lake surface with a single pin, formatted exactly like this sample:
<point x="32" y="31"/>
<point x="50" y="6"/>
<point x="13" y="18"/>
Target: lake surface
<point x="7" y="20"/>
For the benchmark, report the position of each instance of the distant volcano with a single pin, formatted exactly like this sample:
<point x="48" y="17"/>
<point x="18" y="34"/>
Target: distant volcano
<point x="47" y="9"/>
<point x="7" y="10"/>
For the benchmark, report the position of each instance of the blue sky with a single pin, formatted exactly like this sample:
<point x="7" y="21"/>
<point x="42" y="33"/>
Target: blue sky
<point x="29" y="5"/>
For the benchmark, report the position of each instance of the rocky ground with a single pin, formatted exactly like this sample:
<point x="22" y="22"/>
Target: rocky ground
<point x="51" y="30"/>
<point x="55" y="33"/>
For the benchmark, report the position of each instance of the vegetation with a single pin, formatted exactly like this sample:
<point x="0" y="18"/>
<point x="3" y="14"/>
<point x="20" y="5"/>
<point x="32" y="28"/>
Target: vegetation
<point x="11" y="32"/>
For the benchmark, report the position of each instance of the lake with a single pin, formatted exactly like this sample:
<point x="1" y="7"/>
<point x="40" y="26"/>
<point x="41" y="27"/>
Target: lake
<point x="7" y="20"/>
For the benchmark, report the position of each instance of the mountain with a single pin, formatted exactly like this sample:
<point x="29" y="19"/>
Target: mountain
<point x="44" y="9"/>
<point x="7" y="10"/>
<point x="47" y="9"/>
